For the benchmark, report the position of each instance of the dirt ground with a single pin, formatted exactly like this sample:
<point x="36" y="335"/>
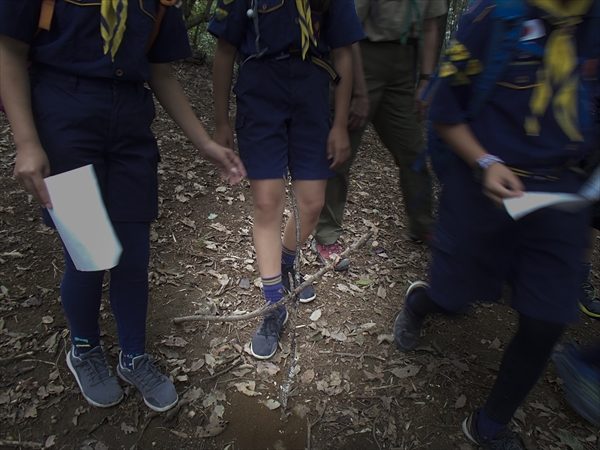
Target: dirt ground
<point x="337" y="382"/>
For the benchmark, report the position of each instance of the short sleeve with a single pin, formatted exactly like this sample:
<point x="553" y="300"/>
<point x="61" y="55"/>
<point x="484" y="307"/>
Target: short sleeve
<point x="435" y="8"/>
<point x="229" y="21"/>
<point x="172" y="42"/>
<point x="342" y="26"/>
<point x="19" y="19"/>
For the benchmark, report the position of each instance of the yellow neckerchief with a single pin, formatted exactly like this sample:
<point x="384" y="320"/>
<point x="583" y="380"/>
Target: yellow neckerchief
<point x="305" y="21"/>
<point x="112" y="24"/>
<point x="558" y="73"/>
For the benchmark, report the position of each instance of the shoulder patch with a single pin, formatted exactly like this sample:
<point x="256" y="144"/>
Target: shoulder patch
<point x="220" y="14"/>
<point x="228" y="2"/>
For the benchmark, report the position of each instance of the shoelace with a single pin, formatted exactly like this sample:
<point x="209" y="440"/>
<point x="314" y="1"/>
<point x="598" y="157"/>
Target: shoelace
<point x="507" y="442"/>
<point x="270" y="324"/>
<point x="589" y="289"/>
<point x="96" y="368"/>
<point x="147" y="373"/>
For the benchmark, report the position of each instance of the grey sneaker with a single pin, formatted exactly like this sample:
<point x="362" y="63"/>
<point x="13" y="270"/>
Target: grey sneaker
<point x="98" y="385"/>
<point x="505" y="440"/>
<point x="306" y="295"/>
<point x="407" y="327"/>
<point x="266" y="337"/>
<point x="156" y="389"/>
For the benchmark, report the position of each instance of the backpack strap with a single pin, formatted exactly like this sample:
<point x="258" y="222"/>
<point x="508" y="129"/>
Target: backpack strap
<point x="507" y="21"/>
<point x="160" y="13"/>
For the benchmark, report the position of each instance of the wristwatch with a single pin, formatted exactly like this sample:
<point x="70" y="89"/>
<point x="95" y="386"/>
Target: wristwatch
<point x="483" y="162"/>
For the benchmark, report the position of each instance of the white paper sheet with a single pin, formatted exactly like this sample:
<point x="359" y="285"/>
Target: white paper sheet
<point x="591" y="189"/>
<point x="81" y="220"/>
<point x="518" y="207"/>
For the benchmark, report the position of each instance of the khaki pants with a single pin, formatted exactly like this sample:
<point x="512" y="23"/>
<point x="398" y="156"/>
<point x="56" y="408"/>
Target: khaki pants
<point x="389" y="72"/>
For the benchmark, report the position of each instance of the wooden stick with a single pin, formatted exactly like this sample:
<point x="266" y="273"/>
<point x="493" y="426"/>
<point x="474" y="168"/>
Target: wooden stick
<point x="24" y="444"/>
<point x="266" y="309"/>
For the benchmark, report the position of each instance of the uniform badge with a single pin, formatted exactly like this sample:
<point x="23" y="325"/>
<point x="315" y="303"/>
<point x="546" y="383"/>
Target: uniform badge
<point x="228" y="2"/>
<point x="532" y="29"/>
<point x="457" y="52"/>
<point x="220" y="14"/>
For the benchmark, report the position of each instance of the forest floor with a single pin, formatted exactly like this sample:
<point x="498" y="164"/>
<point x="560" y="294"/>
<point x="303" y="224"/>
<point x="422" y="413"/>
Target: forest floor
<point x="337" y="381"/>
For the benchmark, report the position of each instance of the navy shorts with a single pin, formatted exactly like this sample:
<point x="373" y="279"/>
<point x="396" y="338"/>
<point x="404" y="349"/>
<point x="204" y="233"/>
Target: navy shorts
<point x="283" y="118"/>
<point x="478" y="247"/>
<point x="106" y="123"/>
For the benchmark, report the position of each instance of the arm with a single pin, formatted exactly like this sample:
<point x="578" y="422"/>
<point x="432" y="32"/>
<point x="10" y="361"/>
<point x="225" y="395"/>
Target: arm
<point x="338" y="143"/>
<point x="359" y="103"/>
<point x="169" y="93"/>
<point x="498" y="181"/>
<point x="428" y="56"/>
<point x="31" y="164"/>
<point x="222" y="78"/>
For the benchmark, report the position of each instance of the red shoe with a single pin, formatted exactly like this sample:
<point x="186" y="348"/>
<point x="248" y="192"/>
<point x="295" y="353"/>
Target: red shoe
<point x="331" y="253"/>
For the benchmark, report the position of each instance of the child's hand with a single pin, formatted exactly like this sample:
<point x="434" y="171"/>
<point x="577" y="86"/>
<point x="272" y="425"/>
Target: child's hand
<point x="359" y="112"/>
<point x="224" y="136"/>
<point x="338" y="146"/>
<point x="499" y="182"/>
<point x="227" y="162"/>
<point x="31" y="167"/>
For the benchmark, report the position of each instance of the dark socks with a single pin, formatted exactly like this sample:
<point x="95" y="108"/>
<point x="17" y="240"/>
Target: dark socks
<point x="287" y="257"/>
<point x="422" y="305"/>
<point x="487" y="426"/>
<point x="272" y="289"/>
<point x="522" y="364"/>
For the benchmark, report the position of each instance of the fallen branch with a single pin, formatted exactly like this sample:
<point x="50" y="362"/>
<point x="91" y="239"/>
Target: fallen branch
<point x="266" y="309"/>
<point x="23" y="444"/>
<point x="16" y="357"/>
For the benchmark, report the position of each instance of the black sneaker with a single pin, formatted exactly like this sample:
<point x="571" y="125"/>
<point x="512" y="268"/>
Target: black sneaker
<point x="266" y="337"/>
<point x="407" y="327"/>
<point x="156" y="389"/>
<point x="505" y="440"/>
<point x="306" y="295"/>
<point x="98" y="385"/>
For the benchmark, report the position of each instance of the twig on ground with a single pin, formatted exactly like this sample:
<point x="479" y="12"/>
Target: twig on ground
<point x="264" y="310"/>
<point x="222" y="372"/>
<point x="373" y="430"/>
<point x="15" y="357"/>
<point x="22" y="444"/>
<point x="309" y="426"/>
<point x="151" y="416"/>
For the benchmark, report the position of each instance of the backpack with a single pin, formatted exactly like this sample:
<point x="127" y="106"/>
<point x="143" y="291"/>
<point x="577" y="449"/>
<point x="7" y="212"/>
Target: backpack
<point x="47" y="12"/>
<point x="507" y="21"/>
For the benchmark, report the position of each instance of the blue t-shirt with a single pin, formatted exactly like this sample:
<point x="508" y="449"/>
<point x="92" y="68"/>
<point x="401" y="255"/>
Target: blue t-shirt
<point x="279" y="28"/>
<point x="74" y="43"/>
<point x="535" y="117"/>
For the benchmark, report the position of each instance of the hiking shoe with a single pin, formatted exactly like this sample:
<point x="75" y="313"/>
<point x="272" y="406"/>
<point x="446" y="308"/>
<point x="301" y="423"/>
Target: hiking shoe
<point x="306" y="295"/>
<point x="581" y="382"/>
<point x="407" y="327"/>
<point x="156" y="389"/>
<point x="420" y="237"/>
<point x="504" y="440"/>
<point x="590" y="306"/>
<point x="98" y="385"/>
<point x="588" y="302"/>
<point x="328" y="254"/>
<point x="266" y="337"/>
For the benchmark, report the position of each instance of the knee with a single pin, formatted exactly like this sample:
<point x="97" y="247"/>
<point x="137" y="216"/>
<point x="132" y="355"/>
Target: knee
<point x="268" y="207"/>
<point x="311" y="208"/>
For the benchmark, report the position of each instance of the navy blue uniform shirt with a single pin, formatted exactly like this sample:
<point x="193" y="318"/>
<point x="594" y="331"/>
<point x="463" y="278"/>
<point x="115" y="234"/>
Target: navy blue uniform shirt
<point x="74" y="43"/>
<point x="505" y="123"/>
<point x="279" y="29"/>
